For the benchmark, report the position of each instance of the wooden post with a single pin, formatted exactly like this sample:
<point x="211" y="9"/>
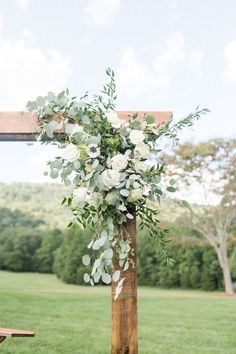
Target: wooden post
<point x="124" y="309"/>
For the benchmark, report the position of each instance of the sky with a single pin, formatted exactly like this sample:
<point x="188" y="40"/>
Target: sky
<point x="168" y="55"/>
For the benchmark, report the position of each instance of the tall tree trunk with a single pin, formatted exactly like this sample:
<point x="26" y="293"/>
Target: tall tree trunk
<point x="124" y="308"/>
<point x="222" y="255"/>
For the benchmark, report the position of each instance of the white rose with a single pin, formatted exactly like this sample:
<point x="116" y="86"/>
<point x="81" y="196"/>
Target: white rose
<point x="77" y="129"/>
<point x="140" y="166"/>
<point x="111" y="198"/>
<point x="71" y="129"/>
<point x="136" y="136"/>
<point x="71" y="153"/>
<point x="82" y="194"/>
<point x="142" y="150"/>
<point x="135" y="194"/>
<point x="110" y="178"/>
<point x="119" y="162"/>
<point x="113" y="118"/>
<point x="146" y="190"/>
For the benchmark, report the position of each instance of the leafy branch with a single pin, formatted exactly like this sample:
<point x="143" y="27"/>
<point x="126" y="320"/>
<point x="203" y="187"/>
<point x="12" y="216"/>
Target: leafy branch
<point x="149" y="220"/>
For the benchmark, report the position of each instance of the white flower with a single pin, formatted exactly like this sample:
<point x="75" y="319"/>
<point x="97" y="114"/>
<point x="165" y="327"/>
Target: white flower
<point x="82" y="194"/>
<point x="88" y="167"/>
<point x="119" y="162"/>
<point x="71" y="153"/>
<point x="95" y="199"/>
<point x="142" y="150"/>
<point x="140" y="166"/>
<point x="111" y="198"/>
<point x="135" y="194"/>
<point x="93" y="150"/>
<point x="113" y="118"/>
<point x="136" y="136"/>
<point x="146" y="190"/>
<point x="71" y="129"/>
<point x="110" y="178"/>
<point x="77" y="129"/>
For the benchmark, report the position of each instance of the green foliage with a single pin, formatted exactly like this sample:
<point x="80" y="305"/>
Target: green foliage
<point x="196" y="265"/>
<point x="51" y="241"/>
<point x="28" y="244"/>
<point x="68" y="264"/>
<point x="18" y="248"/>
<point x="39" y="203"/>
<point x="24" y="245"/>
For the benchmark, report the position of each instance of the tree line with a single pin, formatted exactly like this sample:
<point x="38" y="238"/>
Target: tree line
<point x="203" y="232"/>
<point x="27" y="247"/>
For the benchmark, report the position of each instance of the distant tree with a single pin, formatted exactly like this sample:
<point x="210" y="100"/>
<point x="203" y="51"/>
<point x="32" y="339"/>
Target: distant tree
<point x="68" y="264"/>
<point x="16" y="218"/>
<point x="51" y="241"/>
<point x="210" y="168"/>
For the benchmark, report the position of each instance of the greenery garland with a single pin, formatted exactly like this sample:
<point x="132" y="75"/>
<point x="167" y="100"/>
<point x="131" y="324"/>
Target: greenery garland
<point x="105" y="162"/>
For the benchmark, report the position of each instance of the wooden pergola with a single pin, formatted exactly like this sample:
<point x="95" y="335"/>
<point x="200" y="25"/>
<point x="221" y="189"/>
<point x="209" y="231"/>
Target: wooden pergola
<point x="22" y="126"/>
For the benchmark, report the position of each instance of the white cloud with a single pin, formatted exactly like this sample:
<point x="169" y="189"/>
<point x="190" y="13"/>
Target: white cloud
<point x="26" y="71"/>
<point x="26" y="33"/>
<point x="230" y="57"/>
<point x="173" y="15"/>
<point x="1" y="22"/>
<point x="196" y="63"/>
<point x="101" y="12"/>
<point x="23" y="4"/>
<point x="135" y="78"/>
<point x="168" y="57"/>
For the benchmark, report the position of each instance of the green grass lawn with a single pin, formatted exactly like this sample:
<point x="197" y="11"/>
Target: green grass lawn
<point x="74" y="319"/>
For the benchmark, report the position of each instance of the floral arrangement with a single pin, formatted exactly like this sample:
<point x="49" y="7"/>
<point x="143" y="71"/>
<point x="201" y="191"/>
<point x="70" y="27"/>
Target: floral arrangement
<point x="106" y="163"/>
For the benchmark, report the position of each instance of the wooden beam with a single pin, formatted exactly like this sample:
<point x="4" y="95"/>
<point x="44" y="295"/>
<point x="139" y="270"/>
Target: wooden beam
<point x="124" y="308"/>
<point x="22" y="126"/>
<point x="10" y="332"/>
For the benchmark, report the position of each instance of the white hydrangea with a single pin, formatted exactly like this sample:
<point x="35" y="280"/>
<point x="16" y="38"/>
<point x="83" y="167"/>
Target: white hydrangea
<point x="71" y="153"/>
<point x="119" y="162"/>
<point x="142" y="150"/>
<point x="111" y="198"/>
<point x="110" y="178"/>
<point x="136" y="136"/>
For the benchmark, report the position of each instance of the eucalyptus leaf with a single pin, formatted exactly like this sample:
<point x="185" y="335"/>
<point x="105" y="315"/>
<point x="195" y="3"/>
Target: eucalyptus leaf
<point x="124" y="192"/>
<point x="117" y="292"/>
<point x="86" y="278"/>
<point x="150" y="119"/>
<point x="171" y="189"/>
<point x="85" y="120"/>
<point x="106" y="278"/>
<point x="108" y="253"/>
<point x="116" y="276"/>
<point x="86" y="260"/>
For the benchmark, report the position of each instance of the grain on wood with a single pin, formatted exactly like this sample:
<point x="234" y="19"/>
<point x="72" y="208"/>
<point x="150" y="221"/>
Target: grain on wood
<point x="21" y="126"/>
<point x="124" y="308"/>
